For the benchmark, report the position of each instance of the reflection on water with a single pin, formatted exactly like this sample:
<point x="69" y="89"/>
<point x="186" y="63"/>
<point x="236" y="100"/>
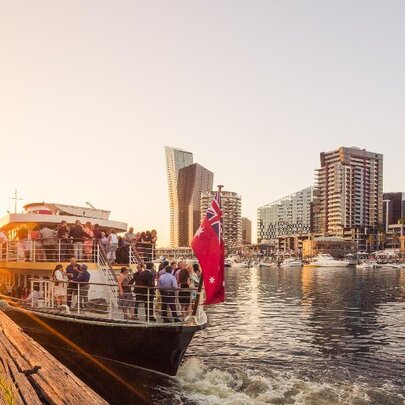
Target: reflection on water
<point x="344" y="327"/>
<point x="287" y="336"/>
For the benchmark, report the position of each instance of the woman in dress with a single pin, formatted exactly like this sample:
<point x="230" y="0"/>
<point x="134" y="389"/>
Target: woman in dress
<point x="58" y="276"/>
<point x="126" y="299"/>
<point x="88" y="241"/>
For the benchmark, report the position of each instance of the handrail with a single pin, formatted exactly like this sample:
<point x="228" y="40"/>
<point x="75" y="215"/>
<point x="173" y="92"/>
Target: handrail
<point x="111" y="285"/>
<point x="146" y="304"/>
<point x="105" y="257"/>
<point x="61" y="250"/>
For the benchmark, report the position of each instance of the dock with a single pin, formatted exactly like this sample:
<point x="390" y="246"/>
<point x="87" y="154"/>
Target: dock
<point x="30" y="375"/>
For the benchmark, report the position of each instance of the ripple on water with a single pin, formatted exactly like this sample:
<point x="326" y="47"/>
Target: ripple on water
<point x="307" y="335"/>
<point x="202" y="385"/>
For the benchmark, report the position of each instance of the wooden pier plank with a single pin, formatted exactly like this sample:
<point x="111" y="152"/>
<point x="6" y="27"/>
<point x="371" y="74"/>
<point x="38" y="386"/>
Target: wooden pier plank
<point x="26" y="392"/>
<point x="52" y="382"/>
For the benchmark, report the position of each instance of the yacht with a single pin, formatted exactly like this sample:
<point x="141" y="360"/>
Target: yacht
<point x="367" y="264"/>
<point x="268" y="263"/>
<point x="326" y="260"/>
<point x="95" y="325"/>
<point x="291" y="262"/>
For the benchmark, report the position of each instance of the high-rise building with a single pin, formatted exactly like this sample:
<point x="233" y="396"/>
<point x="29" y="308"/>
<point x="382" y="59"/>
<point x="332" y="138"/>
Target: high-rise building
<point x="246" y="231"/>
<point x="394" y="208"/>
<point x="231" y="205"/>
<point x="193" y="180"/>
<point x="287" y="220"/>
<point x="348" y="196"/>
<point x="176" y="159"/>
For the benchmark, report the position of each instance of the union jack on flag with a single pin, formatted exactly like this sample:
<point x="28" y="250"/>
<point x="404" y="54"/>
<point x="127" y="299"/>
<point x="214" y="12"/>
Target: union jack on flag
<point x="208" y="247"/>
<point x="214" y="215"/>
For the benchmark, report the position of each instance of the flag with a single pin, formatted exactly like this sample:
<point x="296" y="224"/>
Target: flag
<point x="208" y="246"/>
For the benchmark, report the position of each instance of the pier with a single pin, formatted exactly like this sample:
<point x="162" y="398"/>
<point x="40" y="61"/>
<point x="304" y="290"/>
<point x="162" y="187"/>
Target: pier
<point x="30" y="375"/>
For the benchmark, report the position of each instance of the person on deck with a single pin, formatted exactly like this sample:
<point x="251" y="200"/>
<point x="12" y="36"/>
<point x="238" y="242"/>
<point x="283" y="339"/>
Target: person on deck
<point x="167" y="282"/>
<point x="58" y="276"/>
<point x="49" y="242"/>
<point x="88" y="241"/>
<point x="126" y="299"/>
<point x="147" y="279"/>
<point x="72" y="271"/>
<point x="63" y="236"/>
<point x="77" y="234"/>
<point x="3" y="242"/>
<point x="112" y="246"/>
<point x="83" y="287"/>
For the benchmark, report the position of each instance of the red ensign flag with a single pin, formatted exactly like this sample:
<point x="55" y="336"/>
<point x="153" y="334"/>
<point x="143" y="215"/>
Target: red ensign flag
<point x="208" y="246"/>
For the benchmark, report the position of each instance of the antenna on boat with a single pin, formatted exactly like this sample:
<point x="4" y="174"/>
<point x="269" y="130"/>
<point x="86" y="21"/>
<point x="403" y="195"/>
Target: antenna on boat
<point x="15" y="198"/>
<point x="90" y="205"/>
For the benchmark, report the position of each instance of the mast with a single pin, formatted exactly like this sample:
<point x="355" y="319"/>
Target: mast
<point x="15" y="198"/>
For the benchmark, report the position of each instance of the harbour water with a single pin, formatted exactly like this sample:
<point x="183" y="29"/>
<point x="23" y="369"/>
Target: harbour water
<point x="284" y="336"/>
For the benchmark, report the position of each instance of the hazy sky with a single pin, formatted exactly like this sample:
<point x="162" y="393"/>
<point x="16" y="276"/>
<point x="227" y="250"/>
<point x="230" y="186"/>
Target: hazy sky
<point x="91" y="91"/>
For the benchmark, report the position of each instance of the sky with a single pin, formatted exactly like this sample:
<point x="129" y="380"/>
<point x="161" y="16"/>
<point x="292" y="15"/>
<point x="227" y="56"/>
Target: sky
<point x="91" y="91"/>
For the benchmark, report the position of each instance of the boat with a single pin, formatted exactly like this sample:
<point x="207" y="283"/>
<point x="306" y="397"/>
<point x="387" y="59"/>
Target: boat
<point x="367" y="264"/>
<point x="326" y="260"/>
<point x="235" y="261"/>
<point x="291" y="262"/>
<point x="266" y="264"/>
<point x="99" y="328"/>
<point x="394" y="265"/>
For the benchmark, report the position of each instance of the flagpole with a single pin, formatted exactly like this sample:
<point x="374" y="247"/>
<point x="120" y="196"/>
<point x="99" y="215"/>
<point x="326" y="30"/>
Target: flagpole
<point x="200" y="284"/>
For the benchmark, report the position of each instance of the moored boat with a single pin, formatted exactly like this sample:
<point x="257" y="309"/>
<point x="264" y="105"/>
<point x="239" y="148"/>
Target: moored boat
<point x="94" y="323"/>
<point x="367" y="264"/>
<point x="326" y="260"/>
<point x="291" y="262"/>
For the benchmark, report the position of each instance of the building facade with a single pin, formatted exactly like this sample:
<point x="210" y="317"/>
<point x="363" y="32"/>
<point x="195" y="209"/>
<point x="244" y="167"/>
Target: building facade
<point x="246" y="231"/>
<point x="348" y="195"/>
<point x="394" y="208"/>
<point x="176" y="159"/>
<point x="286" y="220"/>
<point x="232" y="218"/>
<point x="193" y="181"/>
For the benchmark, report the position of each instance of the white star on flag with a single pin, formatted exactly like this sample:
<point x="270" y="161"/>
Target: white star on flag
<point x="200" y="230"/>
<point x="212" y="280"/>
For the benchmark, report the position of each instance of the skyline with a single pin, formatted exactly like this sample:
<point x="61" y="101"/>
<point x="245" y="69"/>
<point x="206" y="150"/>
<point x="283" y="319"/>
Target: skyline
<point x="92" y="92"/>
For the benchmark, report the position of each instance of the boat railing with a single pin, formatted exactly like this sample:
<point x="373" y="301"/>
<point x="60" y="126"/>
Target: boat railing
<point x="140" y="305"/>
<point x="61" y="250"/>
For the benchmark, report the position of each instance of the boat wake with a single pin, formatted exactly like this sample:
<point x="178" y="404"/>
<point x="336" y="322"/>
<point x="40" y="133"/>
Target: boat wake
<point x="202" y="385"/>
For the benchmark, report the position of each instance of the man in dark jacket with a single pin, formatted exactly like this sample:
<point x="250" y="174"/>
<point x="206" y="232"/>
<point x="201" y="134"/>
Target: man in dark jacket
<point x="147" y="279"/>
<point x="72" y="271"/>
<point x="83" y="288"/>
<point x="63" y="236"/>
<point x="77" y="234"/>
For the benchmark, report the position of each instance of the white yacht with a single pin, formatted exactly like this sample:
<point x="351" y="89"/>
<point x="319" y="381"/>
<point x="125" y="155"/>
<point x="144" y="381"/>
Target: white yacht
<point x="326" y="260"/>
<point x="367" y="264"/>
<point x="291" y="262"/>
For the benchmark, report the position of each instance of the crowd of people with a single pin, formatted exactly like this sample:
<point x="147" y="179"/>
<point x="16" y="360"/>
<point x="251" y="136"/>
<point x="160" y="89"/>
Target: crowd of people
<point x="79" y="240"/>
<point x="175" y="282"/>
<point x="170" y="291"/>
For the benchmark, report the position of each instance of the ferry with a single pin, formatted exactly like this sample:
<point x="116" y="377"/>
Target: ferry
<point x="100" y="328"/>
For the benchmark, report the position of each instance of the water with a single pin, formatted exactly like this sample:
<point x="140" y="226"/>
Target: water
<point x="302" y="336"/>
<point x="287" y="336"/>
